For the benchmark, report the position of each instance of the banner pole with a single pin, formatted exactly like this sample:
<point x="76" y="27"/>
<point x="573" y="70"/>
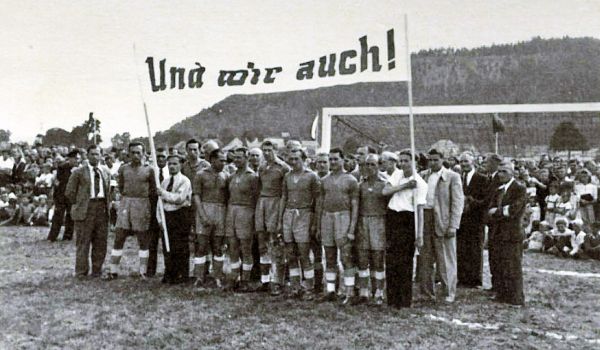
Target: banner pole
<point x="411" y="122"/>
<point x="159" y="203"/>
<point x="497" y="143"/>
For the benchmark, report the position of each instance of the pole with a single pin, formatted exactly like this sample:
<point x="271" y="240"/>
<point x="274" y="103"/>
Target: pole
<point x="411" y="122"/>
<point x="159" y="204"/>
<point x="93" y="127"/>
<point x="497" y="143"/>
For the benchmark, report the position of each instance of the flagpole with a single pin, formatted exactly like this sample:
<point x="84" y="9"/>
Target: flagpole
<point x="411" y="122"/>
<point x="497" y="143"/>
<point x="159" y="203"/>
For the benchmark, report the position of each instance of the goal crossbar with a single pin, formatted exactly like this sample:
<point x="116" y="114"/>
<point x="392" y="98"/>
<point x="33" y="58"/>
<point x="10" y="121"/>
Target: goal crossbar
<point x="329" y="112"/>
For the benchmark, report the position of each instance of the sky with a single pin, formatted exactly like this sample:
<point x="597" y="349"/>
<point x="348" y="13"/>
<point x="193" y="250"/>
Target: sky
<point x="63" y="59"/>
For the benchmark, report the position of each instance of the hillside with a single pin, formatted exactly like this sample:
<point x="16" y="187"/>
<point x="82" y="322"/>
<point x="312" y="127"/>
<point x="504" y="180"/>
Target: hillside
<point x="536" y="71"/>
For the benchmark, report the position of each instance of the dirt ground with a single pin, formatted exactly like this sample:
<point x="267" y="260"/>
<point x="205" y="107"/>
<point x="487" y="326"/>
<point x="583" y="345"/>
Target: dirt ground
<point x="44" y="307"/>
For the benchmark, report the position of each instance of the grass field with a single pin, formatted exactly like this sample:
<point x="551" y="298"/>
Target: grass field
<point x="44" y="307"/>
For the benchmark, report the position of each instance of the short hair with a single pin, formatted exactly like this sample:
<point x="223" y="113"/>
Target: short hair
<point x="160" y="149"/>
<point x="406" y="152"/>
<point x="215" y="154"/>
<point x="434" y="152"/>
<point x="72" y="154"/>
<point x="338" y="151"/>
<point x="241" y="149"/>
<point x="191" y="141"/>
<point x="92" y="146"/>
<point x="350" y="156"/>
<point x="174" y="156"/>
<point x="493" y="156"/>
<point x="267" y="143"/>
<point x="135" y="144"/>
<point x="301" y="151"/>
<point x="371" y="150"/>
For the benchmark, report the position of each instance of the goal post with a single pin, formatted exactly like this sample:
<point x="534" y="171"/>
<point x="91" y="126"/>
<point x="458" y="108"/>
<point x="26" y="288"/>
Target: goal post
<point x="328" y="112"/>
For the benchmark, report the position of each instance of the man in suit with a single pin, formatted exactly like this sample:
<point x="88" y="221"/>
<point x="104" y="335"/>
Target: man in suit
<point x="505" y="214"/>
<point x="62" y="207"/>
<point x="88" y="191"/>
<point x="18" y="170"/>
<point x="491" y="163"/>
<point x="469" y="239"/>
<point x="441" y="217"/>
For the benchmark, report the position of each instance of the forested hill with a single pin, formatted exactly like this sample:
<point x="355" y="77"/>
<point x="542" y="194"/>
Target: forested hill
<point x="536" y="71"/>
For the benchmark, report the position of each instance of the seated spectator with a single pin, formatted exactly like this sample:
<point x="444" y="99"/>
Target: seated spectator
<point x="40" y="214"/>
<point x="535" y="241"/>
<point x="11" y="214"/>
<point x="558" y="238"/>
<point x="576" y="241"/>
<point x="591" y="243"/>
<point x="564" y="207"/>
<point x="27" y="209"/>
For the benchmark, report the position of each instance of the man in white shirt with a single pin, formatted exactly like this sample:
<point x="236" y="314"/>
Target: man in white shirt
<point x="6" y="166"/>
<point x="407" y="190"/>
<point x="176" y="193"/>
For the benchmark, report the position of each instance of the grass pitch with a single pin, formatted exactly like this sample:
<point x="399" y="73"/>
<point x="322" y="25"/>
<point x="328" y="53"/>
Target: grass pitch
<point x="44" y="307"/>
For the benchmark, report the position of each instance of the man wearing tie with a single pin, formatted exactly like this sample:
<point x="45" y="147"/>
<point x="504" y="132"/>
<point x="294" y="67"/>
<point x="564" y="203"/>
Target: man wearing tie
<point x="62" y="207"/>
<point x="87" y="190"/>
<point x="505" y="217"/>
<point x="469" y="238"/>
<point x="176" y="193"/>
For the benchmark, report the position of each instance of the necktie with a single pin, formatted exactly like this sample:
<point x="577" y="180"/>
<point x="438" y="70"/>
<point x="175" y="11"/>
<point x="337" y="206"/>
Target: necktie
<point x="160" y="175"/>
<point x="96" y="182"/>
<point x="170" y="186"/>
<point x="464" y="182"/>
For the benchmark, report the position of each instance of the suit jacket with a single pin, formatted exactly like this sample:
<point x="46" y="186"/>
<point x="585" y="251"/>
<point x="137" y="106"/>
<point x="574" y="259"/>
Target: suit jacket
<point x="478" y="189"/>
<point x="62" y="176"/>
<point x="449" y="200"/>
<point x="78" y="190"/>
<point x="506" y="222"/>
<point x="18" y="172"/>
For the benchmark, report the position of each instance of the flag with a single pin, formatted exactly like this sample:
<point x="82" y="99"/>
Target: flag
<point x="497" y="124"/>
<point x="315" y="126"/>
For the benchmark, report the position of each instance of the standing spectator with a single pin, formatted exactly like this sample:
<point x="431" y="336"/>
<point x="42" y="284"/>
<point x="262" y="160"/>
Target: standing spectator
<point x="551" y="201"/>
<point x="442" y="214"/>
<point x="469" y="239"/>
<point x="587" y="195"/>
<point x="87" y="189"/>
<point x="62" y="207"/>
<point x="406" y="189"/>
<point x="176" y="192"/>
<point x="6" y="166"/>
<point x="506" y="210"/>
<point x="44" y="181"/>
<point x="18" y="170"/>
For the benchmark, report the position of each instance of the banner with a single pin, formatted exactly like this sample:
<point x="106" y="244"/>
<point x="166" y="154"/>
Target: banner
<point x="375" y="56"/>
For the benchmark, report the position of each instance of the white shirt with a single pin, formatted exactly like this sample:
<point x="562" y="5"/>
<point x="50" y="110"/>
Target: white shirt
<point x="581" y="189"/>
<point x="507" y="185"/>
<point x="403" y="200"/>
<point x="432" y="181"/>
<point x="44" y="180"/>
<point x="180" y="195"/>
<point x="6" y="164"/>
<point x="92" y="183"/>
<point x="469" y="176"/>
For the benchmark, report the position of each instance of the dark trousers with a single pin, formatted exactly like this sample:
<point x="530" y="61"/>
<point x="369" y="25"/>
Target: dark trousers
<point x="92" y="232"/>
<point x="510" y="287"/>
<point x="62" y="213"/>
<point x="493" y="259"/>
<point x="177" y="261"/>
<point x="399" y="253"/>
<point x="153" y="251"/>
<point x="469" y="254"/>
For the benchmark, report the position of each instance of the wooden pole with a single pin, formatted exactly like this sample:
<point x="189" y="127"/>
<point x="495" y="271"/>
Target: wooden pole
<point x="497" y="143"/>
<point x="159" y="204"/>
<point x="411" y="122"/>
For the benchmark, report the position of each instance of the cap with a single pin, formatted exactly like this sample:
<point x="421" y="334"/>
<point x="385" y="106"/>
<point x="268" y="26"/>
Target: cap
<point x="389" y="155"/>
